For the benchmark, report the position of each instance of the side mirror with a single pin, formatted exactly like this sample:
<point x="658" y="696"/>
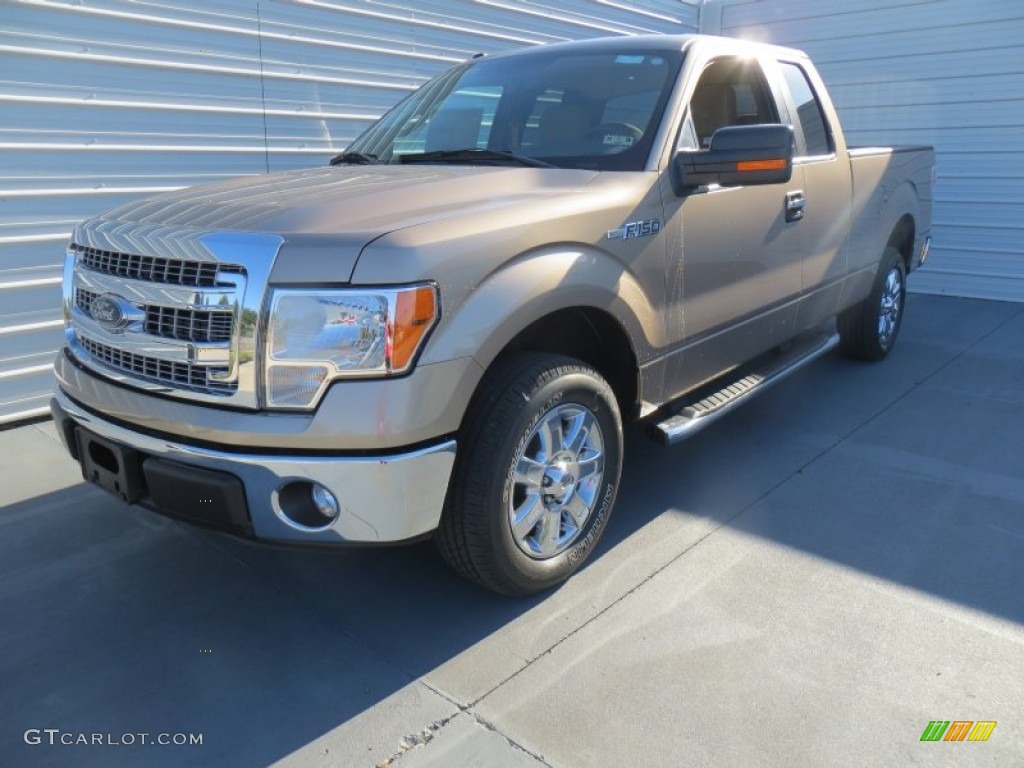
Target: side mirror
<point x="739" y="155"/>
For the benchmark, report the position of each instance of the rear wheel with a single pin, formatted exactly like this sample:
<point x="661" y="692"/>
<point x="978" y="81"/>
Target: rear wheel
<point x="536" y="475"/>
<point x="867" y="331"/>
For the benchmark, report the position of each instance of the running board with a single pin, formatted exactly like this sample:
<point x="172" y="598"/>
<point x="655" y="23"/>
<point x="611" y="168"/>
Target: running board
<point x="695" y="416"/>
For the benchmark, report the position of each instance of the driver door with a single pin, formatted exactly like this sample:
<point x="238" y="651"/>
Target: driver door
<point x="734" y="270"/>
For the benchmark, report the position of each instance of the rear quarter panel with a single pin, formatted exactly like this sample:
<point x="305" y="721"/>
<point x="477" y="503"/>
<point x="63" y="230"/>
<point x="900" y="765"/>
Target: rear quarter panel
<point x="889" y="183"/>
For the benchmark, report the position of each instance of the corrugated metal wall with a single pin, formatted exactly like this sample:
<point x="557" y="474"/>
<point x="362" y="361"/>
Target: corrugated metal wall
<point x="943" y="72"/>
<point x="105" y="100"/>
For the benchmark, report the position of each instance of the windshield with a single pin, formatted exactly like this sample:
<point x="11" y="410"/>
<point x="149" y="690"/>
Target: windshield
<point x="568" y="109"/>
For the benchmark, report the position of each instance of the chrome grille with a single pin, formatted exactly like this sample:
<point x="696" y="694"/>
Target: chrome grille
<point x="152" y="268"/>
<point x="83" y="300"/>
<point x="190" y="303"/>
<point x="197" y="378"/>
<point x="188" y="324"/>
<point x="200" y="325"/>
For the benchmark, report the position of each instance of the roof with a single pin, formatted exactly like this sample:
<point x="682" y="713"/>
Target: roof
<point x="649" y="43"/>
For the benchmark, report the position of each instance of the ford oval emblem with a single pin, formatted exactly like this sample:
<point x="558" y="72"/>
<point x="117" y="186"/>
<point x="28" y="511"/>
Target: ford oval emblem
<point x="114" y="312"/>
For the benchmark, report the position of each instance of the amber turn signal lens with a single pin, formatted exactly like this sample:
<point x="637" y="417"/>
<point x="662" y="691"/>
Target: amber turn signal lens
<point x="415" y="311"/>
<point x="761" y="165"/>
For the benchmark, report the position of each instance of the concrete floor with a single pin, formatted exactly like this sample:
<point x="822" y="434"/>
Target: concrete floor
<point x="807" y="583"/>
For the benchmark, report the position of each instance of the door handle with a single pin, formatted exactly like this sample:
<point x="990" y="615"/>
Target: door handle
<point x="795" y="202"/>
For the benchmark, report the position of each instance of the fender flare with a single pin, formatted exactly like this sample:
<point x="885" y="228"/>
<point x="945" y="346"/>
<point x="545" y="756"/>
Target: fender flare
<point x="537" y="284"/>
<point x="902" y="203"/>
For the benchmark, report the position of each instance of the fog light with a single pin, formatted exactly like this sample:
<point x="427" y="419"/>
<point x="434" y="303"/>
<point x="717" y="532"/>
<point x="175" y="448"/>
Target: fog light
<point x="325" y="502"/>
<point x="306" y="506"/>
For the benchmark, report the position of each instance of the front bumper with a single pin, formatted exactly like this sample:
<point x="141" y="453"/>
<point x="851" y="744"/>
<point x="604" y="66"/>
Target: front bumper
<point x="383" y="498"/>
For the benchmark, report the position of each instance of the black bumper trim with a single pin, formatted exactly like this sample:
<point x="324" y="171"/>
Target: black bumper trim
<point x="202" y="496"/>
<point x="205" y="497"/>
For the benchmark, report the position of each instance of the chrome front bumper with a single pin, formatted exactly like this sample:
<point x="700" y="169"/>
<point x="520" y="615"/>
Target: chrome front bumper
<point x="383" y="498"/>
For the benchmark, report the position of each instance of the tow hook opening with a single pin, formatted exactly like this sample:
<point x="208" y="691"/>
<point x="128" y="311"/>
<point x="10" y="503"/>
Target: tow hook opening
<point x="103" y="456"/>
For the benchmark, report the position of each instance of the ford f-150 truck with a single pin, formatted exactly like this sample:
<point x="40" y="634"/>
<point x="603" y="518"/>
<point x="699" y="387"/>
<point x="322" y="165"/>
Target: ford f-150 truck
<point x="442" y="332"/>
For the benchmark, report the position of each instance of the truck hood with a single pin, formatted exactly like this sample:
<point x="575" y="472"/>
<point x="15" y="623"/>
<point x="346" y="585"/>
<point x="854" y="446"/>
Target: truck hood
<point x="345" y="207"/>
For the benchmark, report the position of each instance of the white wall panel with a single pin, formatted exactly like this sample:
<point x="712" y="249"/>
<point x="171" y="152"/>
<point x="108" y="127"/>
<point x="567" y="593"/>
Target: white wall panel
<point x="944" y="72"/>
<point x="102" y="101"/>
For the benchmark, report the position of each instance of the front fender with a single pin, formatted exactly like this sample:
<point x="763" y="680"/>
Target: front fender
<point x="536" y="284"/>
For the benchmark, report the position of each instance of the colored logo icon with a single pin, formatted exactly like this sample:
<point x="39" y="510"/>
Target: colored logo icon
<point x="958" y="730"/>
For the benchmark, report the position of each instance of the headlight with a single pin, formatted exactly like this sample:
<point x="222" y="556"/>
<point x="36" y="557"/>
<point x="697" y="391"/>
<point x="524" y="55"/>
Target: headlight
<point x="315" y="336"/>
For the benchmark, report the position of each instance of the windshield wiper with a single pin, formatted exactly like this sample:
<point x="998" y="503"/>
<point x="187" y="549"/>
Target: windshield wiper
<point x="353" y="158"/>
<point x="474" y="157"/>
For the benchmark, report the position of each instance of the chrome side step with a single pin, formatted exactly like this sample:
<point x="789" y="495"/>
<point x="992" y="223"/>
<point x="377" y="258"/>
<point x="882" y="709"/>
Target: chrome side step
<point x="695" y="416"/>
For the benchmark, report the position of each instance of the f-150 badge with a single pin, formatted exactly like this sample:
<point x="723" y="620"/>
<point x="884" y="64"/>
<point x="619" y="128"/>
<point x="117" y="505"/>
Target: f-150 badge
<point x="633" y="229"/>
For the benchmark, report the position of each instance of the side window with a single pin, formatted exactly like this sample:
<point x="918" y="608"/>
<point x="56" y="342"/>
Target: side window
<point x="808" y="110"/>
<point x="729" y="92"/>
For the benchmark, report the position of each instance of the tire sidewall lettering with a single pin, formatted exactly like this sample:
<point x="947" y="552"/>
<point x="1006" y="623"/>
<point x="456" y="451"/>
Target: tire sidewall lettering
<point x="580" y="549"/>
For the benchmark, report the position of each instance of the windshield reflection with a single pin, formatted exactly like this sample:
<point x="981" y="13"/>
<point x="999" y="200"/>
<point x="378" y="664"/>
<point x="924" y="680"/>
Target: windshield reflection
<point x="570" y="109"/>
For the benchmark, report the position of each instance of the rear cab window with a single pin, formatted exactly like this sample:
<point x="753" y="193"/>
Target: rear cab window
<point x="810" y="117"/>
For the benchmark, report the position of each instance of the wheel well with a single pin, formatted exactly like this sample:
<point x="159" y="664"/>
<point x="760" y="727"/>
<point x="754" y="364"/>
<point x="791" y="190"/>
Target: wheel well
<point x="590" y="335"/>
<point x="902" y="238"/>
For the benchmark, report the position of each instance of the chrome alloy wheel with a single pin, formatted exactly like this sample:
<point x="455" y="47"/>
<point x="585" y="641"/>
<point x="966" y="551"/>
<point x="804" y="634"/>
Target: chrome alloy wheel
<point x="554" y="485"/>
<point x="890" y="307"/>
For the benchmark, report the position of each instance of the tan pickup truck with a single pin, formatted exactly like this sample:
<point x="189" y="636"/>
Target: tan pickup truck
<point x="442" y="332"/>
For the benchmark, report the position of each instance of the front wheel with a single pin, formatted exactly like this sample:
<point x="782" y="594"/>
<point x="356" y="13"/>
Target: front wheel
<point x="867" y="331"/>
<point x="536" y="474"/>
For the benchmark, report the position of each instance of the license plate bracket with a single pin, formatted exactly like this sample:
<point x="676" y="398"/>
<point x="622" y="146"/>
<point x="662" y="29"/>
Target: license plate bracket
<point x="113" y="467"/>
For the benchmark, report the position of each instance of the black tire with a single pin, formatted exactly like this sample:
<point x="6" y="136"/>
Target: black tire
<point x="522" y="403"/>
<point x="868" y="330"/>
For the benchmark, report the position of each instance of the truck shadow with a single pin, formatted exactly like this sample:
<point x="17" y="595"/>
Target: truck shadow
<point x="124" y="622"/>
